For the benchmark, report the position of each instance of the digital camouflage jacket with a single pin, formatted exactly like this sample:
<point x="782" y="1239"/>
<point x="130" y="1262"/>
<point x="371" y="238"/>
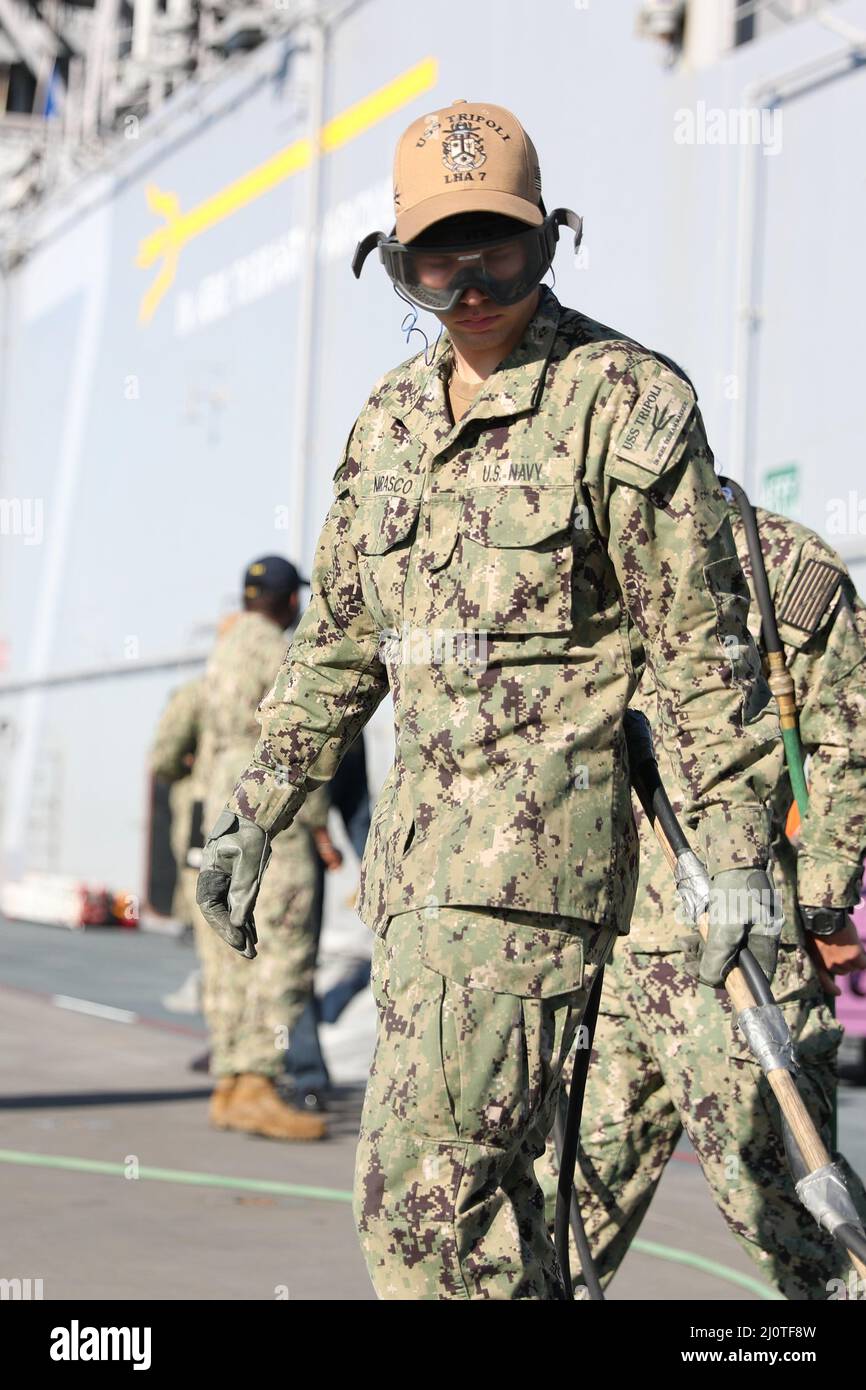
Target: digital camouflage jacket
<point x="485" y="573"/>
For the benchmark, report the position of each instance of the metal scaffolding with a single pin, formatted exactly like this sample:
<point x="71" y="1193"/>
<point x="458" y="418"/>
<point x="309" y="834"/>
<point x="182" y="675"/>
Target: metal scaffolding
<point x="76" y="75"/>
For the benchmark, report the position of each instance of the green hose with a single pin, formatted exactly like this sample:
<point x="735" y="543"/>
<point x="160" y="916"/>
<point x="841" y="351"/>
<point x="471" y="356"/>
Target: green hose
<point x="781" y="684"/>
<point x="794" y="759"/>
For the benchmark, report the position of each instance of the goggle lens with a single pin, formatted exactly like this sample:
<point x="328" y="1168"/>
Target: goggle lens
<point x="435" y="278"/>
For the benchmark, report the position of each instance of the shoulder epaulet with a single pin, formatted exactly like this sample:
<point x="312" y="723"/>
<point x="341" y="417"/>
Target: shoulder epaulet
<point x="676" y="369"/>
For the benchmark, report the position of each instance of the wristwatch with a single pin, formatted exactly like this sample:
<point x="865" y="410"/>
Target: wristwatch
<point x="824" y="921"/>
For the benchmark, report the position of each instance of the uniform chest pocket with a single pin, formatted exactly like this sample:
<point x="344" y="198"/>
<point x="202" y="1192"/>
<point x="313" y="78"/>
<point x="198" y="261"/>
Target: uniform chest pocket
<point x="514" y="570"/>
<point x="382" y="533"/>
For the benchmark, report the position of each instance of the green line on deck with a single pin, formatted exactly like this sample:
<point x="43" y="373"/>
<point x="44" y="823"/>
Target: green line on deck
<point x="335" y="1194"/>
<point x="95" y="1165"/>
<point x="685" y="1257"/>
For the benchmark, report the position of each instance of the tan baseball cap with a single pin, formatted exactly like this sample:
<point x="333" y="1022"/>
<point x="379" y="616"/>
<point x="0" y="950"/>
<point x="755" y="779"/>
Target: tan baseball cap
<point x="469" y="157"/>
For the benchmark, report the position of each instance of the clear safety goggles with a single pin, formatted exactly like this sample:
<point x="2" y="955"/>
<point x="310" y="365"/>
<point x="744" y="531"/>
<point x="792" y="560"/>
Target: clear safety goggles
<point x="506" y="269"/>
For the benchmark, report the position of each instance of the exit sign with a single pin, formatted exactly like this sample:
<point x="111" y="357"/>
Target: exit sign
<point x="780" y="489"/>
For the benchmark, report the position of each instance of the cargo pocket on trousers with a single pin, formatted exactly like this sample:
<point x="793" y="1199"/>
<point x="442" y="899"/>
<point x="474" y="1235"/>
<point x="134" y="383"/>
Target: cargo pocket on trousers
<point x="510" y="994"/>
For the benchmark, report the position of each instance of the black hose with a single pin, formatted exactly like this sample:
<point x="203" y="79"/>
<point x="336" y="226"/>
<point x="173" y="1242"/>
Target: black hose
<point x="755" y="977"/>
<point x="567" y="1207"/>
<point x="772" y="640"/>
<point x="647" y="782"/>
<point x="852" y="1238"/>
<point x="584" y="1251"/>
<point x="575" y="1219"/>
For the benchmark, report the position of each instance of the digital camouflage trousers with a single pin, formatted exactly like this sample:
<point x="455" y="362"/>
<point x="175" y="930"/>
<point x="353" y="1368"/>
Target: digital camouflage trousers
<point x="477" y="1011"/>
<point x="669" y="1057"/>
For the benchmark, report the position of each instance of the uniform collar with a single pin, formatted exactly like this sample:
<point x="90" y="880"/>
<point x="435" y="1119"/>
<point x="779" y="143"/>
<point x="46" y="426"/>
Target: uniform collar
<point x="418" y="396"/>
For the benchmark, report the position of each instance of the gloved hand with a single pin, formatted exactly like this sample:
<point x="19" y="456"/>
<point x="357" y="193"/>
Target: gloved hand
<point x="744" y="910"/>
<point x="233" y="861"/>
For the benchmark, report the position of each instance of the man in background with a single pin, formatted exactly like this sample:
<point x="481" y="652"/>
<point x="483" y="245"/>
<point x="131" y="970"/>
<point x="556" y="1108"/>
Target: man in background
<point x="252" y="1012"/>
<point x="305" y="1062"/>
<point x="670" y="1056"/>
<point x="173" y="758"/>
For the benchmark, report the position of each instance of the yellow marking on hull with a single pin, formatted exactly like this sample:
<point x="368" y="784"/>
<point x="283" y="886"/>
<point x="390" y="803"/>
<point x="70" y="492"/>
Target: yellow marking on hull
<point x="179" y="228"/>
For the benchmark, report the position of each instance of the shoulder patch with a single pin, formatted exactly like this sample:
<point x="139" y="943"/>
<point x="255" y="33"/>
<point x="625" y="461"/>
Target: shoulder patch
<point x="810" y="595"/>
<point x="655" y="424"/>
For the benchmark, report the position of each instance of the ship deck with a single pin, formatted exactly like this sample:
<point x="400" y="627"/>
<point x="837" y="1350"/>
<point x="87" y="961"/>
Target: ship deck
<point x="114" y="1186"/>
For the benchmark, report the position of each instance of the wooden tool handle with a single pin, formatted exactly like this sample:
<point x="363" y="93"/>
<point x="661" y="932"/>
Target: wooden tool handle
<point x="791" y="1103"/>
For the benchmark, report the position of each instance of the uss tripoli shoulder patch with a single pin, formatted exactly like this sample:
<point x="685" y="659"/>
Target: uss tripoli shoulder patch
<point x="655" y="424"/>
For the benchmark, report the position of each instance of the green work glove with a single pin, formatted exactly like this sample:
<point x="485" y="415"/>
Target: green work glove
<point x="232" y="864"/>
<point x="744" y="910"/>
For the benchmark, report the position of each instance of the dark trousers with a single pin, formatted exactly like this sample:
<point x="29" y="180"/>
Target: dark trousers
<point x="304" y="1059"/>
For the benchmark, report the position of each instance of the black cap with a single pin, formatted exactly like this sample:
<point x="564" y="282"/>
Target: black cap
<point x="272" y="574"/>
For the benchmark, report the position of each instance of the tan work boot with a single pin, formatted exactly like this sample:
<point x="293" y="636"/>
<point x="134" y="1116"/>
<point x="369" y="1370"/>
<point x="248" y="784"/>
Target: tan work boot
<point x="255" y="1107"/>
<point x="219" y="1101"/>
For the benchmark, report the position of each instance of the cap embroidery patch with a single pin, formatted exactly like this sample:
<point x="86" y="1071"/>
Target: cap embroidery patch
<point x="463" y="148"/>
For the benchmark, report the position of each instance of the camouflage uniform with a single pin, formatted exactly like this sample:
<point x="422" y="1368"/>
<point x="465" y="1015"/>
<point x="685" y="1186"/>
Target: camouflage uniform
<point x="502" y="855"/>
<point x="477" y="1011"/>
<point x="667" y="1054"/>
<point x="251" y="1010"/>
<point x="176" y="742"/>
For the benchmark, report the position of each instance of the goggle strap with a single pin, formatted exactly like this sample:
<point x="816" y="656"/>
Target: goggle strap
<point x="363" y="249"/>
<point x="564" y="217"/>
